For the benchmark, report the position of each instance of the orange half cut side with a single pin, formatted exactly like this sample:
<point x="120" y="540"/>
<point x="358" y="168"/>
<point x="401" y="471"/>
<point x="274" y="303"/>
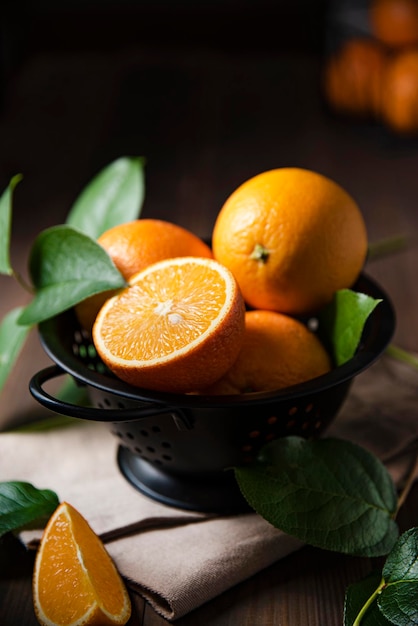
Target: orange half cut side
<point x="181" y="322"/>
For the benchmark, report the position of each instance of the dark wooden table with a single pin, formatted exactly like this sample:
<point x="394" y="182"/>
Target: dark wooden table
<point x="206" y="120"/>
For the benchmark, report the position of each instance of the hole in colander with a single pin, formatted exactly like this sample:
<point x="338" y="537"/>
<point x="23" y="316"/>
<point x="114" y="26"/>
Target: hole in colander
<point x="144" y="433"/>
<point x="166" y="444"/>
<point x="151" y="449"/>
<point x="156" y="429"/>
<point x="130" y="435"/>
<point x="167" y="457"/>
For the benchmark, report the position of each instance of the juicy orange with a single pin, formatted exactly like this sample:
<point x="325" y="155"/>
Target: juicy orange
<point x="133" y="246"/>
<point x="291" y="237"/>
<point x="352" y="78"/>
<point x="278" y="351"/>
<point x="177" y="327"/>
<point x="75" y="581"/>
<point x="399" y="104"/>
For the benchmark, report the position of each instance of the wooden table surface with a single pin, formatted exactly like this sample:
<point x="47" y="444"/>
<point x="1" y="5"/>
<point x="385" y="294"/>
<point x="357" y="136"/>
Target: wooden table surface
<point x="206" y="122"/>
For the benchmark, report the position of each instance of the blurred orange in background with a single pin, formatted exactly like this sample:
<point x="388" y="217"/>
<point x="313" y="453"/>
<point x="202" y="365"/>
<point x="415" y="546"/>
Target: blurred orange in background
<point x="353" y="77"/>
<point x="399" y="98"/>
<point x="394" y="22"/>
<point x="375" y="76"/>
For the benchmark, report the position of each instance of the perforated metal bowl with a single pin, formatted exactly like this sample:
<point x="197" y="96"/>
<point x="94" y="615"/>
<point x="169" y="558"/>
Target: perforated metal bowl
<point x="177" y="448"/>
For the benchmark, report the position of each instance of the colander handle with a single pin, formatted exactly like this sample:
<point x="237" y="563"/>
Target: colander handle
<point x="36" y="383"/>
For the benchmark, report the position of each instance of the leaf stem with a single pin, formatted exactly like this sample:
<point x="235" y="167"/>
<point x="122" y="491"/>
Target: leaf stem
<point x="402" y="355"/>
<point x="410" y="479"/>
<point x="368" y="603"/>
<point x="19" y="278"/>
<point x="386" y="246"/>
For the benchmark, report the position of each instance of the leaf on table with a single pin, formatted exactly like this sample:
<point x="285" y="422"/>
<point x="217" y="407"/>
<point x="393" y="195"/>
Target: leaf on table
<point x="66" y="266"/>
<point x="12" y="339"/>
<point x="343" y="322"/>
<point x="328" y="493"/>
<point x="357" y="596"/>
<point x="22" y="506"/>
<point x="398" y="600"/>
<point x="6" y="201"/>
<point x="115" y="195"/>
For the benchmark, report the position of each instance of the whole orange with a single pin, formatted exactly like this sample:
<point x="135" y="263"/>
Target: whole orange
<point x="291" y="237"/>
<point x="352" y="77"/>
<point x="137" y="244"/>
<point x="394" y="22"/>
<point x="278" y="351"/>
<point x="399" y="103"/>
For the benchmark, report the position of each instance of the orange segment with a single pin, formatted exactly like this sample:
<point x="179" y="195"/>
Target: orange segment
<point x="178" y="326"/>
<point x="75" y="581"/>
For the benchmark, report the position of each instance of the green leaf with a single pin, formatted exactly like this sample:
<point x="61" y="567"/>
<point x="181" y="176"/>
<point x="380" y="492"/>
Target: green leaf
<point x="329" y="493"/>
<point x="12" y="339"/>
<point x="398" y="600"/>
<point x="22" y="505"/>
<point x="66" y="266"/>
<point x="115" y="195"/>
<point x="5" y="225"/>
<point x="343" y="321"/>
<point x="73" y="393"/>
<point x="360" y="606"/>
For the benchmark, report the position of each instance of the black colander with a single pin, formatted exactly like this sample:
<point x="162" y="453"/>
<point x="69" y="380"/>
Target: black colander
<point x="178" y="448"/>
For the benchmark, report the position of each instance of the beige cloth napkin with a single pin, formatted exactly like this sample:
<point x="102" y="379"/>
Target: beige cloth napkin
<point x="177" y="559"/>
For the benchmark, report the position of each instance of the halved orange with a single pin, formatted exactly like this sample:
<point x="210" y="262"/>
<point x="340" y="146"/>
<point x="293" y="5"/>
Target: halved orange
<point x="132" y="246"/>
<point x="177" y="327"/>
<point x="75" y="581"/>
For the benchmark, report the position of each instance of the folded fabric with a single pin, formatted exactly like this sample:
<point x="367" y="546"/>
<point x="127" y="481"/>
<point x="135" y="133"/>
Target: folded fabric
<point x="180" y="559"/>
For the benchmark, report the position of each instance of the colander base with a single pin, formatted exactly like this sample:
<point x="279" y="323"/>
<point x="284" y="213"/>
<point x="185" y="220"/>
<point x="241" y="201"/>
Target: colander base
<point x="208" y="495"/>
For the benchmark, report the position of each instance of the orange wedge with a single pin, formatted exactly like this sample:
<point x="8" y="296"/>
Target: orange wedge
<point x="75" y="582"/>
<point x="177" y="327"/>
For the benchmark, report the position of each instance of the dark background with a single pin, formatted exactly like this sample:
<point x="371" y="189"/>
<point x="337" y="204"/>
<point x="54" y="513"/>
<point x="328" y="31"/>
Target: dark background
<point x="85" y="82"/>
